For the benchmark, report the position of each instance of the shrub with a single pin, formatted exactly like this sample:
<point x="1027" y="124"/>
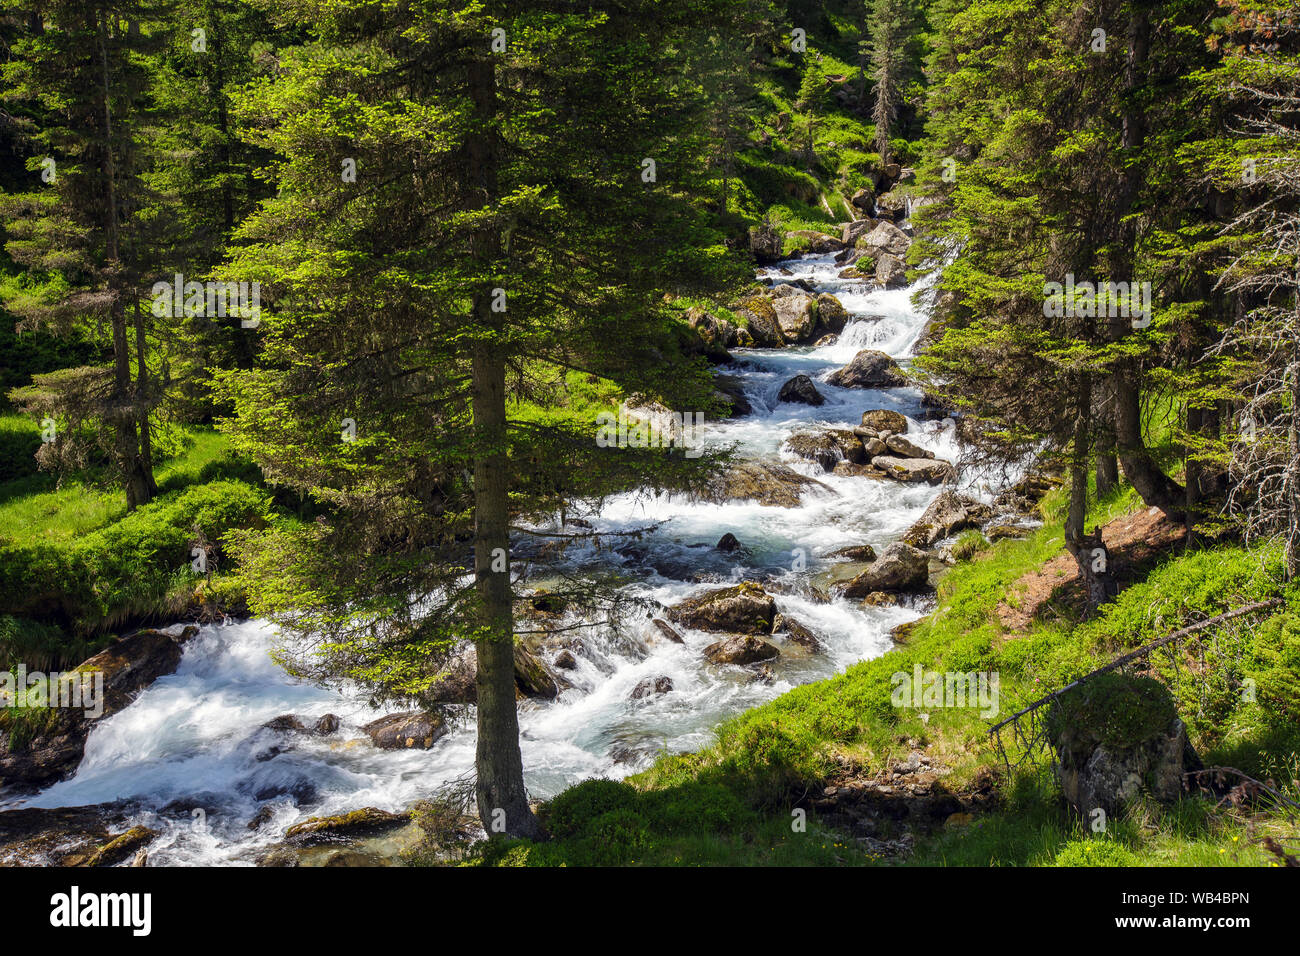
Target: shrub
<point x="1094" y="852"/>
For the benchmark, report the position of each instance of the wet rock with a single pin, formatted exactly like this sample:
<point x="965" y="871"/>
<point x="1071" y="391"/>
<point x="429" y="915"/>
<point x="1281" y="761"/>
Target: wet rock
<point x="891" y="206"/>
<point x="856" y="552"/>
<point x="822" y="448"/>
<point x="668" y="631"/>
<point x="796" y="632"/>
<point x="933" y="471"/>
<point x="767" y="482"/>
<point x="729" y="391"/>
<point x="863" y="199"/>
<point x="743" y="609"/>
<point x="65" y="836"/>
<point x="457" y="685"/>
<point x="900" y="568"/>
<point x="566" y="661"/>
<point x="801" y="389"/>
<point x="831" y="316"/>
<point x="906" y="449"/>
<point x="851" y="232"/>
<point x="884" y="422"/>
<point x="741" y="650"/>
<point x="652" y="687"/>
<point x="949" y="514"/>
<point x="127" y="667"/>
<point x="263" y="815"/>
<point x="366" y="821"/>
<point x="285" y="723"/>
<point x="328" y="724"/>
<point x="728" y="543"/>
<point x="879" y="599"/>
<point x="869" y="369"/>
<point x="121" y="846"/>
<point x="826" y="340"/>
<point x="413" y="729"/>
<point x="1000" y="531"/>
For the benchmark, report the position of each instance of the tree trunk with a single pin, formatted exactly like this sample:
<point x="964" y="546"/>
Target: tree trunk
<point x="1107" y="473"/>
<point x="138" y="482"/>
<point x="499" y="789"/>
<point x="1088" y="551"/>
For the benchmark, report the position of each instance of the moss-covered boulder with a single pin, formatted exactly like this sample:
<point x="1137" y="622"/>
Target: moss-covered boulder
<point x="1117" y="736"/>
<point x="743" y="609"/>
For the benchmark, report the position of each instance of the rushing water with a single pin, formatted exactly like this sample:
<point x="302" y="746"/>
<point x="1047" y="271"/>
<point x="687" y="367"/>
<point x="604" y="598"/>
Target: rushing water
<point x="195" y="738"/>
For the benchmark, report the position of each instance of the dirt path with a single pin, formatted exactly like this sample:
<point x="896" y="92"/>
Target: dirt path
<point x="1135" y="541"/>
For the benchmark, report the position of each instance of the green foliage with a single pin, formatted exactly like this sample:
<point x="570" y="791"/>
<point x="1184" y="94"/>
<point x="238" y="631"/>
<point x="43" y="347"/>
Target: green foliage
<point x="1094" y="852"/>
<point x="1114" y="710"/>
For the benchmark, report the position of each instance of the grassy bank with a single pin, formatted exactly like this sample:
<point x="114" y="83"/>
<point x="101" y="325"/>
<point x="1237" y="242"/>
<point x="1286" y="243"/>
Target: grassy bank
<point x="733" y="802"/>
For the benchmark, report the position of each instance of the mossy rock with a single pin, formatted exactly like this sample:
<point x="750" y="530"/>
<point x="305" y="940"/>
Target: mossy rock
<point x="1112" y="710"/>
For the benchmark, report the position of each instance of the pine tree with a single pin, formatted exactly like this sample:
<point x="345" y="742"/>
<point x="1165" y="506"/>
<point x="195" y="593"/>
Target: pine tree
<point x="889" y="27"/>
<point x="477" y="207"/>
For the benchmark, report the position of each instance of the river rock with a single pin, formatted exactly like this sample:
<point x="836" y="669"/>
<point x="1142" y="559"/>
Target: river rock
<point x="868" y="369"/>
<point x="668" y="631"/>
<point x="883" y="422"/>
<point x="851" y="232"/>
<point x="727" y="543"/>
<point x="796" y="313"/>
<point x="762" y="324"/>
<point x="715" y="334"/>
<point x="934" y="471"/>
<point x="457" y="685"/>
<point x="885" y="237"/>
<point x="652" y="687"/>
<point x="890" y="271"/>
<point x="890" y="205"/>
<point x="413" y="729"/>
<point x="802" y="390"/>
<point x="856" y="552"/>
<point x="128" y="666"/>
<point x="729" y="391"/>
<point x="367" y="820"/>
<point x="796" y="632"/>
<point x="900" y="568"/>
<point x="326" y="725"/>
<point x="831" y="316"/>
<point x="767" y="482"/>
<point x="743" y="609"/>
<point x="820" y="447"/>
<point x="947" y="515"/>
<point x="566" y="661"/>
<point x="121" y="846"/>
<point x="817" y="243"/>
<point x="740" y="649"/>
<point x="863" y="199"/>
<point x="765" y="243"/>
<point x="906" y="449"/>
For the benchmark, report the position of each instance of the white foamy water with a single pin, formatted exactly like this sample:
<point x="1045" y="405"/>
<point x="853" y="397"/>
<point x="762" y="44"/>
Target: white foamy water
<point x="195" y="738"/>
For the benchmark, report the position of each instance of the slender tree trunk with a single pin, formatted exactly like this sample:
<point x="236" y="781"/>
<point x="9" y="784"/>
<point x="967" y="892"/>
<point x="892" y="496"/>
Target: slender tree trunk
<point x="1291" y="485"/>
<point x="499" y="789"/>
<point x="1107" y="473"/>
<point x="138" y="483"/>
<point x="1088" y="551"/>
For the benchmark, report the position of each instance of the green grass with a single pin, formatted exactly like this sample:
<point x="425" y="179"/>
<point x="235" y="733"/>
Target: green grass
<point x="746" y="783"/>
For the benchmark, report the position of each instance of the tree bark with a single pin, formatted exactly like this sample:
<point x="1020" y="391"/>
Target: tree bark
<point x="499" y="789"/>
<point x="1088" y="551"/>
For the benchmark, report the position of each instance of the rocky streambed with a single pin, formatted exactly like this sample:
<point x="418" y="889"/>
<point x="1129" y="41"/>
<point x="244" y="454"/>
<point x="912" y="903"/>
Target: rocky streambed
<point x="800" y="561"/>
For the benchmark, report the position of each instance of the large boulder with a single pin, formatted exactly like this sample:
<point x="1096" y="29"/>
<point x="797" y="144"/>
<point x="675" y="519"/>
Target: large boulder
<point x="743" y="609"/>
<point x="828" y="448"/>
<point x="767" y="482"/>
<point x="729" y="391"/>
<point x="884" y="422"/>
<point x="851" y="232"/>
<point x="869" y="369"/>
<point x="367" y="820"/>
<point x="742" y="650"/>
<point x="802" y="390"/>
<point x="890" y="205"/>
<point x="54" y="749"/>
<point x="831" y="315"/>
<point x="885" y="238"/>
<point x="900" y="568"/>
<point x="413" y="729"/>
<point x="762" y="324"/>
<point x="932" y="471"/>
<point x="818" y="243"/>
<point x="947" y="515"/>
<point x="796" y="312"/>
<point x="890" y="271"/>
<point x="1116" y="736"/>
<point x="715" y="334"/>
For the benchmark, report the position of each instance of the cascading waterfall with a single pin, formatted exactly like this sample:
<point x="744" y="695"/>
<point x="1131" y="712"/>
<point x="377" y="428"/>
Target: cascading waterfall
<point x="195" y="739"/>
